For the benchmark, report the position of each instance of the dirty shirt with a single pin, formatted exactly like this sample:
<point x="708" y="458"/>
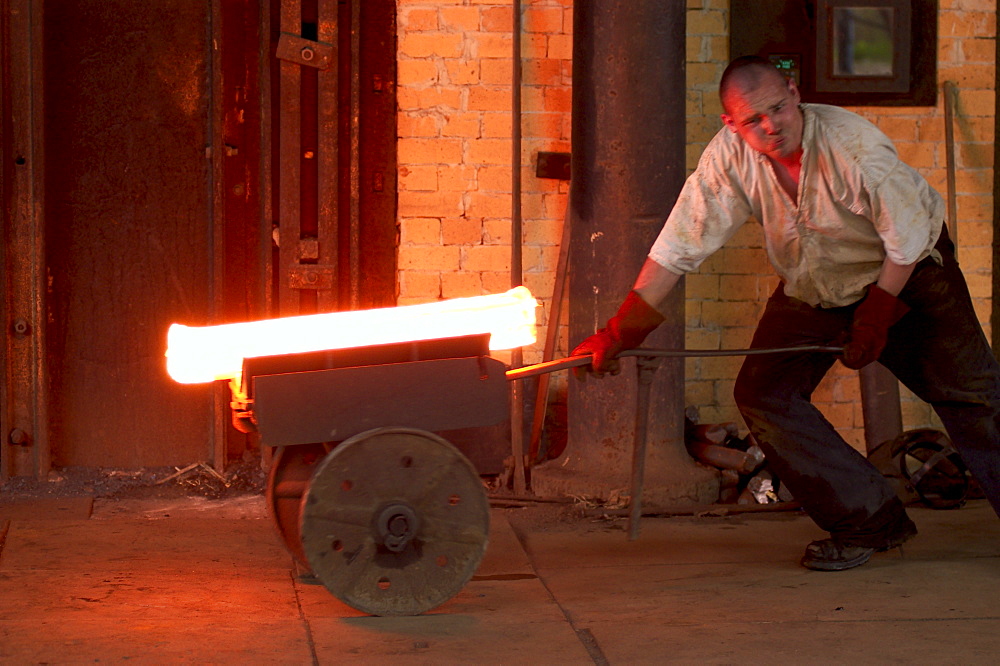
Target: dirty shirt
<point x="857" y="203"/>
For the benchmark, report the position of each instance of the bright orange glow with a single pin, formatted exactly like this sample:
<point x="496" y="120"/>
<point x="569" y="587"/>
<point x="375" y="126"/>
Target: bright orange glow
<point x="206" y="353"/>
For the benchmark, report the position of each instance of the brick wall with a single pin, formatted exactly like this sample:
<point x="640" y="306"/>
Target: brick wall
<point x="455" y="161"/>
<point x="455" y="147"/>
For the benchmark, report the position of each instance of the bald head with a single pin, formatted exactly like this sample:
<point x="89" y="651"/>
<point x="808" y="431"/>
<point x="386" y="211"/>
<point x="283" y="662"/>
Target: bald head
<point x="746" y="73"/>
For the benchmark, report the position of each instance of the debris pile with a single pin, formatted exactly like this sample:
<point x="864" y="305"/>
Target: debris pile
<point x="745" y="478"/>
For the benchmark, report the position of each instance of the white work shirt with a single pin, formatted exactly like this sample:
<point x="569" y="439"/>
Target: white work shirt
<point x="857" y="203"/>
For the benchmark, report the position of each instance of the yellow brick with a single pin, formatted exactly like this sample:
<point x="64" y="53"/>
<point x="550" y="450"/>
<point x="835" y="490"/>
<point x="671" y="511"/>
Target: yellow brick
<point x="542" y="124"/>
<point x="490" y="44"/>
<point x="970" y="76"/>
<point x="976" y="102"/>
<point x="497" y="125"/>
<point x="497" y="71"/>
<point x="410" y="125"/>
<point x="543" y="19"/>
<point x="489" y="151"/>
<point x="975" y="155"/>
<point x="975" y="206"/>
<point x="457" y="178"/>
<point x="543" y="232"/>
<point x="978" y="50"/>
<point x="460" y="18"/>
<point x="462" y="72"/>
<point x="462" y="124"/>
<point x="413" y="20"/>
<point x="539" y="258"/>
<point x="496" y="282"/>
<point x="427" y="44"/>
<point x="728" y="313"/>
<point x="461" y="284"/>
<point x="898" y="128"/>
<point x="461" y="231"/>
<point x="430" y="151"/>
<point x="557" y="99"/>
<point x="425" y="204"/>
<point x="482" y="258"/>
<point x="429" y="258"/>
<point x="737" y="288"/>
<point x="706" y="23"/>
<point x="419" y="284"/>
<point x="420" y="72"/>
<point x="703" y="76"/>
<point x="702" y="287"/>
<point x="420" y="231"/>
<point x="559" y="47"/>
<point x="540" y="284"/>
<point x="917" y="155"/>
<point x="494" y="178"/>
<point x="533" y="46"/>
<point x="418" y="178"/>
<point x="489" y="99"/>
<point x="496" y="232"/>
<point x="488" y="205"/>
<point x="424" y="99"/>
<point x="497" y="19"/>
<point x="966" y="23"/>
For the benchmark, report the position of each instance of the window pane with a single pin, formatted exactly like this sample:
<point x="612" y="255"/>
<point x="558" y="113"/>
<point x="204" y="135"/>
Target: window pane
<point x="862" y="41"/>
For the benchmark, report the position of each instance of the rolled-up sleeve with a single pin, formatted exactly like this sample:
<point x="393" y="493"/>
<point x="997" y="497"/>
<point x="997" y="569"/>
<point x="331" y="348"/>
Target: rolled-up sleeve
<point x="708" y="212"/>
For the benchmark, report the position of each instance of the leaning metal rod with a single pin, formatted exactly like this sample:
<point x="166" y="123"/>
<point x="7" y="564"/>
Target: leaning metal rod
<point x="577" y="361"/>
<point x="646" y="364"/>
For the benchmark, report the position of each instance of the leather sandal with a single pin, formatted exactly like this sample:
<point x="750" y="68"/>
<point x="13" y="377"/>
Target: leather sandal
<point x="833" y="555"/>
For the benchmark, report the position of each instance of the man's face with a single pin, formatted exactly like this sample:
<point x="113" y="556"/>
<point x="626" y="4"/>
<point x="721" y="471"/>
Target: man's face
<point x="766" y="116"/>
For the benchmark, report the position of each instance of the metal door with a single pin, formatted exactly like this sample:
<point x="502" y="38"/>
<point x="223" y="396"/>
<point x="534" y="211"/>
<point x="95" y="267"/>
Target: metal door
<point x="145" y="148"/>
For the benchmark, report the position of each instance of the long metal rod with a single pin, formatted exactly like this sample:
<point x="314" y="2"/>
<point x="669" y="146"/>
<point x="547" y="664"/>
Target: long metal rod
<point x="577" y="361"/>
<point x="645" y="369"/>
<point x="949" y="142"/>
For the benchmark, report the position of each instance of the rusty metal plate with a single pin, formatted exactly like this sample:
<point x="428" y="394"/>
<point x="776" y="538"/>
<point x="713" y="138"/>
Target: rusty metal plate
<point x="395" y="521"/>
<point x="305" y="51"/>
<point x="334" y="405"/>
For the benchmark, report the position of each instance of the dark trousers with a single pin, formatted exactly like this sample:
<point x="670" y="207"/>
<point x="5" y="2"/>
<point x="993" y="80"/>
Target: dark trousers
<point x="937" y="350"/>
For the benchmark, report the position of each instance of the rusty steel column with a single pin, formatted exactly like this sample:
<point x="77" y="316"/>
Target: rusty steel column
<point x="628" y="167"/>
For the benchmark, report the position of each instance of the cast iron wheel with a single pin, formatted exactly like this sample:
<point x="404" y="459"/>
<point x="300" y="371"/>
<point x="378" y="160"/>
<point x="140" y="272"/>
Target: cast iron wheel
<point x="395" y="521"/>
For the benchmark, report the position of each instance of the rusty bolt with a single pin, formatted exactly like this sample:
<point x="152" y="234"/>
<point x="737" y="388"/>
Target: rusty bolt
<point x="238" y="190"/>
<point x="308" y="54"/>
<point x="21" y="327"/>
<point x="19" y="438"/>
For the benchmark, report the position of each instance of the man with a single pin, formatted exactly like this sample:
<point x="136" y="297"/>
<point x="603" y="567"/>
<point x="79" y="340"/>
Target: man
<point x="858" y="240"/>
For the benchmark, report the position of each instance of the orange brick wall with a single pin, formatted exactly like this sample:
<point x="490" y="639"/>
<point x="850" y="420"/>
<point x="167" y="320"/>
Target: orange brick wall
<point x="455" y="167"/>
<point x="455" y="147"/>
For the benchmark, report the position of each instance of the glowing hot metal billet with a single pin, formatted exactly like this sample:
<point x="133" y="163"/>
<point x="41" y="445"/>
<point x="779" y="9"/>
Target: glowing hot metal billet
<point x="204" y="354"/>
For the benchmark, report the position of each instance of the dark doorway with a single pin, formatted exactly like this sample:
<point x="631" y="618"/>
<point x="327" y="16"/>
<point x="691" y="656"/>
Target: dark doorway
<point x="163" y="186"/>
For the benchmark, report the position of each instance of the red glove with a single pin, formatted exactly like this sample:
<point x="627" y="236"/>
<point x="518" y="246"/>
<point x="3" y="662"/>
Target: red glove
<point x="626" y="330"/>
<point x="870" y="328"/>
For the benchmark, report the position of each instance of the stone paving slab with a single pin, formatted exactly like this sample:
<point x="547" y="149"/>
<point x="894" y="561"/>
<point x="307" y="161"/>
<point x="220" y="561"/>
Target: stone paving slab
<point x="488" y="622"/>
<point x="970" y="642"/>
<point x="141" y="640"/>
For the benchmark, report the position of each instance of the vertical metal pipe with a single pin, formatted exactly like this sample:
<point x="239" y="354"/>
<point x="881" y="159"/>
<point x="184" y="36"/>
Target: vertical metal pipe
<point x="628" y="165"/>
<point x="516" y="259"/>
<point x="645" y="368"/>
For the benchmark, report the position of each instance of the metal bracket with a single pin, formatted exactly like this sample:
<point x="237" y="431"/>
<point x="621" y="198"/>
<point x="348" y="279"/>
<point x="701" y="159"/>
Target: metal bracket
<point x="312" y="276"/>
<point x="305" y="51"/>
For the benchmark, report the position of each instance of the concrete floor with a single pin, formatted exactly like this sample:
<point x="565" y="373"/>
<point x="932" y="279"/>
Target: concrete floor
<point x="191" y="580"/>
